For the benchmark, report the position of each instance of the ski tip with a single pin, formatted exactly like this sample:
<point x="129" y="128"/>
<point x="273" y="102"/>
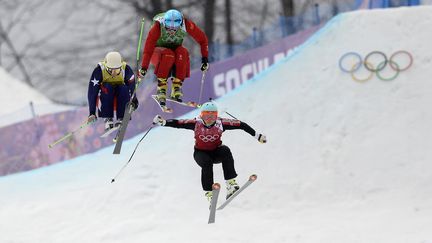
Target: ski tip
<point x="192" y="104"/>
<point x="112" y="180"/>
<point x="253" y="177"/>
<point x="50" y="146"/>
<point x="216" y="186"/>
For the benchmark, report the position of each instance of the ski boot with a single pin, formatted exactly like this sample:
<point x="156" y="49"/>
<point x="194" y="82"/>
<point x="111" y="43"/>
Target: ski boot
<point x="209" y="196"/>
<point x="161" y="91"/>
<point x="109" y="124"/>
<point x="232" y="187"/>
<point x="176" y="91"/>
<point x="161" y="100"/>
<point x="118" y="122"/>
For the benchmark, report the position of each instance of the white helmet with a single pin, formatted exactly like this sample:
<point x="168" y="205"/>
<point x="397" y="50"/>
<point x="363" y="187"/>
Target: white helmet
<point x="113" y="60"/>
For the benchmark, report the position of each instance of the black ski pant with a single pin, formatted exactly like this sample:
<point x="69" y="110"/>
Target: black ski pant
<point x="206" y="159"/>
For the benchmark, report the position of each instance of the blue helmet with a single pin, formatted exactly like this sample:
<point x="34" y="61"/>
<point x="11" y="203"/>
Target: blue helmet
<point x="209" y="106"/>
<point x="209" y="113"/>
<point x="173" y="19"/>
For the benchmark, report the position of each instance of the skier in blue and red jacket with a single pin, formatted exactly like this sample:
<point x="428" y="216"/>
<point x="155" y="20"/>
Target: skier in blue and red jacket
<point x="111" y="85"/>
<point x="209" y="150"/>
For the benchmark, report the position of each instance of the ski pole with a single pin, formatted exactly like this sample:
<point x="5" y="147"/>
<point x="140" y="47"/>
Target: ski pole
<point x="139" y="42"/>
<point x="138" y="55"/>
<point x="201" y="89"/>
<point x="124" y="166"/>
<point x="231" y="115"/>
<point x="69" y="134"/>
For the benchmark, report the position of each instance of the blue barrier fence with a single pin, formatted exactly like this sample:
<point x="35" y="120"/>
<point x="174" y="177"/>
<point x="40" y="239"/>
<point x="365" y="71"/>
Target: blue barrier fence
<point x="392" y="3"/>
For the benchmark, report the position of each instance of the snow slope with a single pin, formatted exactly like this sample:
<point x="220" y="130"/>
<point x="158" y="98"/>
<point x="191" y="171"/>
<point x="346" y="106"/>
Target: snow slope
<point x="345" y="161"/>
<point x="17" y="97"/>
<point x="18" y="92"/>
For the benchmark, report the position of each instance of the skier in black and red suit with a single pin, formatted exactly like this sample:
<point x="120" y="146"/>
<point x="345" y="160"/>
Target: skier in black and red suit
<point x="209" y="149"/>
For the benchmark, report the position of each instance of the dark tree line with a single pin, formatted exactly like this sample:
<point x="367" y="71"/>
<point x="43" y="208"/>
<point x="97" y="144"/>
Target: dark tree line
<point x="209" y="9"/>
<point x="58" y="58"/>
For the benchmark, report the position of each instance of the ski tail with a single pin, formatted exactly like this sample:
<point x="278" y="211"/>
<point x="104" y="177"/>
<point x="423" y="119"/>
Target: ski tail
<point x="184" y="103"/>
<point x="164" y="108"/>
<point x="251" y="179"/>
<point x="109" y="131"/>
<point x="118" y="139"/>
<point x="213" y="203"/>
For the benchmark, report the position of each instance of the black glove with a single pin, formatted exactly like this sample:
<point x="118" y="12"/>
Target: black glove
<point x="204" y="64"/>
<point x="142" y="72"/>
<point x="135" y="103"/>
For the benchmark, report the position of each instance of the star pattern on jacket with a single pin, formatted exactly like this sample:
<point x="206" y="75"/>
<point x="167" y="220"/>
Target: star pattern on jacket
<point x="94" y="81"/>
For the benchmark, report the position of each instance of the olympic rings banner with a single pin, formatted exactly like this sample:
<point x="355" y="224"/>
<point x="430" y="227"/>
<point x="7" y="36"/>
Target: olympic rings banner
<point x="375" y="62"/>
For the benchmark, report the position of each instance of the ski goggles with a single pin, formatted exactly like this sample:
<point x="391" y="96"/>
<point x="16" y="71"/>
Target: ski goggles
<point x="173" y="24"/>
<point x="114" y="71"/>
<point x="209" y="116"/>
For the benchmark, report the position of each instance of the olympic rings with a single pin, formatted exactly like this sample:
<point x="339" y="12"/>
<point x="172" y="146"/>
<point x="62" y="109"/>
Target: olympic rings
<point x="391" y="65"/>
<point x="378" y="68"/>
<point x="209" y="138"/>
<point x="365" y="79"/>
<point x="355" y="67"/>
<point x="399" y="52"/>
<point x="368" y="64"/>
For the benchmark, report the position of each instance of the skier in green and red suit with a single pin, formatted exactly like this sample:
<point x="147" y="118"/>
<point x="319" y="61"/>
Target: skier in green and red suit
<point x="164" y="46"/>
<point x="208" y="150"/>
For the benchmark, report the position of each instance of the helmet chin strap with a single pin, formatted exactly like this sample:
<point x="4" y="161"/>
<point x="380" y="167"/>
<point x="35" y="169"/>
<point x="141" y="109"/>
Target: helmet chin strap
<point x="171" y="30"/>
<point x="209" y="125"/>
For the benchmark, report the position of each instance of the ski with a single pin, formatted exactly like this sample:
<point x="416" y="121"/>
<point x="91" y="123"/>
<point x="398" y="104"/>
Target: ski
<point x="188" y="103"/>
<point x="213" y="203"/>
<point x="164" y="108"/>
<point x="118" y="139"/>
<point x="252" y="178"/>
<point x="109" y="131"/>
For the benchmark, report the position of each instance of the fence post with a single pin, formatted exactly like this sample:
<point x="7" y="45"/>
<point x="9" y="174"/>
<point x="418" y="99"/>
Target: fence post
<point x="358" y="3"/>
<point x="283" y="25"/>
<point x="413" y="2"/>
<point x="317" y="17"/>
<point x="254" y="37"/>
<point x="230" y="50"/>
<point x="216" y="50"/>
<point x="32" y="109"/>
